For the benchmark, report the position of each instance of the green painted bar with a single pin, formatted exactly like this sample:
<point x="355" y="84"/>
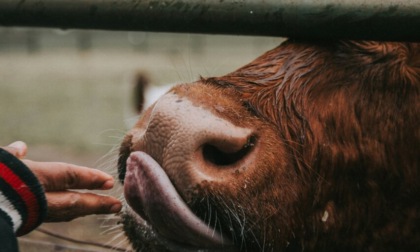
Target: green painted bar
<point x="319" y="19"/>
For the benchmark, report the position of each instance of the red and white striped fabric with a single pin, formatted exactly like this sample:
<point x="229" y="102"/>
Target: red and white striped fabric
<point x="22" y="200"/>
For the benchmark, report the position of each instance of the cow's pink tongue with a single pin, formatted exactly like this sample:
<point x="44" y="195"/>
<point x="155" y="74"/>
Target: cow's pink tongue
<point x="151" y="194"/>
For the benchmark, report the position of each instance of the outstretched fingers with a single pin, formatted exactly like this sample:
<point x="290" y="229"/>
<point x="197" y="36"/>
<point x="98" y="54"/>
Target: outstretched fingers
<point x="60" y="179"/>
<point x="56" y="176"/>
<point x="68" y="205"/>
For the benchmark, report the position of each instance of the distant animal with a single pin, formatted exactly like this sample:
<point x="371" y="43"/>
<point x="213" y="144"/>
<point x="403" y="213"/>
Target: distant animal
<point x="313" y="146"/>
<point x="145" y="94"/>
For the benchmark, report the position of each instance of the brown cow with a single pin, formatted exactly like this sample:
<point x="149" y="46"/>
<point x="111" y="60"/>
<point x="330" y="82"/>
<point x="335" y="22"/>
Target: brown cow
<point x="314" y="146"/>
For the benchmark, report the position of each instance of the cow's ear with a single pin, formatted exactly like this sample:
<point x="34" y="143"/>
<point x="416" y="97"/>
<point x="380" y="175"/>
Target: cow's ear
<point x="141" y="81"/>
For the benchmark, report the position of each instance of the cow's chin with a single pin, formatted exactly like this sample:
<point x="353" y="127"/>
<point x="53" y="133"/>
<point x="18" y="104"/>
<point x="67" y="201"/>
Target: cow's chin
<point x="156" y="218"/>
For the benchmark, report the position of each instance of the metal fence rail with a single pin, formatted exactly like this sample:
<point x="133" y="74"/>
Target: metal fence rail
<point x="355" y="19"/>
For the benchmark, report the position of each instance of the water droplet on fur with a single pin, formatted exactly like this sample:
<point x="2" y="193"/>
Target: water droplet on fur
<point x="325" y="216"/>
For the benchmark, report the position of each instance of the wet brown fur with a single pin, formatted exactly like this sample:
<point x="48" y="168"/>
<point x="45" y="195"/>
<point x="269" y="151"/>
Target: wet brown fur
<point x="348" y="114"/>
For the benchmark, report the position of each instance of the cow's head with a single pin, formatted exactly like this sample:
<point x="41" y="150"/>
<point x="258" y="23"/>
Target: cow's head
<point x="314" y="145"/>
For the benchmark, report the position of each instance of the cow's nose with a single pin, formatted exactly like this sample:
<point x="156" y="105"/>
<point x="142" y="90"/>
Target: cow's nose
<point x="225" y="150"/>
<point x="193" y="143"/>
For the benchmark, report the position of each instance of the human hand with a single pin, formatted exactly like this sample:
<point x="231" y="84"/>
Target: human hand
<point x="59" y="179"/>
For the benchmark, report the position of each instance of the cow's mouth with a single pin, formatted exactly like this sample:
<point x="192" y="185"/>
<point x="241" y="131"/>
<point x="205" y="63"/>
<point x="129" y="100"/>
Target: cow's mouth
<point x="150" y="193"/>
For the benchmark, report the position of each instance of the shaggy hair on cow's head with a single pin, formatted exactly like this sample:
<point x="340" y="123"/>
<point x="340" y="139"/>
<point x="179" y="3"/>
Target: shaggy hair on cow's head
<point x="348" y="113"/>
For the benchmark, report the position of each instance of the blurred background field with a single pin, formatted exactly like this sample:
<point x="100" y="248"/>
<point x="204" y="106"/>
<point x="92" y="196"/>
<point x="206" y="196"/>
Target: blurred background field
<point x="67" y="93"/>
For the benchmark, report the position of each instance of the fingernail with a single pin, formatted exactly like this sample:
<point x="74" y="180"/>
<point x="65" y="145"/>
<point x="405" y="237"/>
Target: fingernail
<point x="108" y="184"/>
<point x="116" y="208"/>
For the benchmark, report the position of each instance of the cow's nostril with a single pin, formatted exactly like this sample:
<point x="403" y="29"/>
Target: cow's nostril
<point x="224" y="157"/>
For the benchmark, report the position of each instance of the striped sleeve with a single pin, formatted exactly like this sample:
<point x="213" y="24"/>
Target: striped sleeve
<point x="22" y="199"/>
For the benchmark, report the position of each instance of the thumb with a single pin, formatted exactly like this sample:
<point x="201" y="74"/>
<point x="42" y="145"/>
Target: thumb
<point x="17" y="149"/>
